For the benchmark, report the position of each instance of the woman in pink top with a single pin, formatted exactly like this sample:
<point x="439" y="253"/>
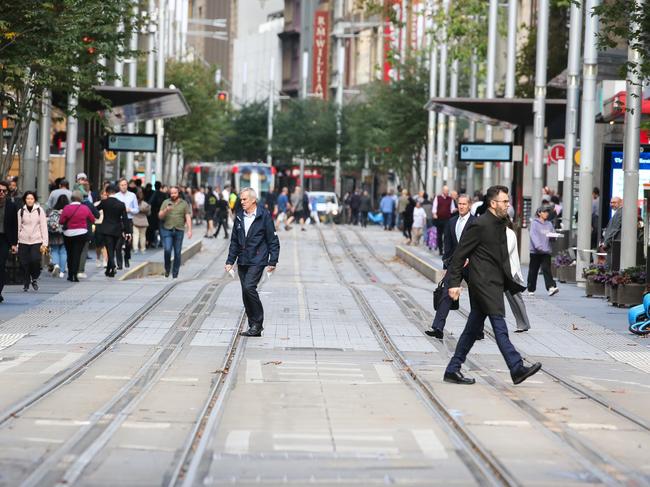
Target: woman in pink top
<point x="74" y="219"/>
<point x="32" y="239"/>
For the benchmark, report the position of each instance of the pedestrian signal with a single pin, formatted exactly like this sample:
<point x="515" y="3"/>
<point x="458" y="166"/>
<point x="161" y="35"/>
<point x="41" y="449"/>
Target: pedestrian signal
<point x="222" y="96"/>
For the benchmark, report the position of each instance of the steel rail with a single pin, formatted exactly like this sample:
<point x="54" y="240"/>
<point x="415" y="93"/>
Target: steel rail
<point x="479" y="461"/>
<point x="601" y="466"/>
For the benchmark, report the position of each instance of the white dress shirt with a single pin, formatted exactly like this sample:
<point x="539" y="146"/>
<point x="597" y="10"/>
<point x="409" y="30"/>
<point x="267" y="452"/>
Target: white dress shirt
<point x="249" y="218"/>
<point x="460" y="225"/>
<point x="130" y="200"/>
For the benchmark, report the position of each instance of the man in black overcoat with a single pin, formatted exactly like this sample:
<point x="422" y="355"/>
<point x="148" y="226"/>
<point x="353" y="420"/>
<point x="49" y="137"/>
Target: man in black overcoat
<point x="484" y="243"/>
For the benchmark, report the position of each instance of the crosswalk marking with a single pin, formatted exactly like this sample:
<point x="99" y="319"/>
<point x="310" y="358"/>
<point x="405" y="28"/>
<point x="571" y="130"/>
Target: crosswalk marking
<point x="8" y="339"/>
<point x="254" y="371"/>
<point x="429" y="444"/>
<point x="386" y="373"/>
<point x="62" y="363"/>
<point x="592" y="426"/>
<point x="21" y="359"/>
<point x="238" y="442"/>
<point x="60" y="422"/>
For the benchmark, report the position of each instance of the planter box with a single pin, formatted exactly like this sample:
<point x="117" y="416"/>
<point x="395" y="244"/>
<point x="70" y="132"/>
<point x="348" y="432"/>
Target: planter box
<point x="612" y="293"/>
<point x="630" y="294"/>
<point x="570" y="275"/>
<point x="596" y="289"/>
<point x="560" y="273"/>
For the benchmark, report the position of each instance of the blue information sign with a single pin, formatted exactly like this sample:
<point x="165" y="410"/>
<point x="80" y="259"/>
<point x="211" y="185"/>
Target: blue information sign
<point x="485" y="152"/>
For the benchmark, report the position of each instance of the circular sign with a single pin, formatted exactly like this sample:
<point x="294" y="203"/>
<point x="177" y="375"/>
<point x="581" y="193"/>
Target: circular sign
<point x="557" y="152"/>
<point x="110" y="155"/>
<point x="576" y="157"/>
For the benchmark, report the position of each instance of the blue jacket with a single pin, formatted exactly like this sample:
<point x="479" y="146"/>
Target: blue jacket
<point x="387" y="204"/>
<point x="261" y="247"/>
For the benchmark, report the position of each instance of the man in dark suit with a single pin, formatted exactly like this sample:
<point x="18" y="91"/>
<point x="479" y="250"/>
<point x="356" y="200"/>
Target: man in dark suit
<point x="455" y="228"/>
<point x="115" y="226"/>
<point x="485" y="245"/>
<point x="254" y="245"/>
<point x="8" y="231"/>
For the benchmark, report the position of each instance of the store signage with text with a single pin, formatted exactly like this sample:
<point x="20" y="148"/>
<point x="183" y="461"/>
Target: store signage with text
<point x="321" y="54"/>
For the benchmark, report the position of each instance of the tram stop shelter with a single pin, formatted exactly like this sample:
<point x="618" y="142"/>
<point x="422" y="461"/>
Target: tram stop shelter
<point x="127" y="105"/>
<point x="506" y="113"/>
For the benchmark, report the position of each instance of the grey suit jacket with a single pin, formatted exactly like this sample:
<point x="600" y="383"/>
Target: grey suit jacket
<point x="613" y="230"/>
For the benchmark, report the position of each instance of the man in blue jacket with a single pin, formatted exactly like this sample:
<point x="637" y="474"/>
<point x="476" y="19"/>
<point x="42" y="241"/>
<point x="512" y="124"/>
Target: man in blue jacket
<point x="254" y="245"/>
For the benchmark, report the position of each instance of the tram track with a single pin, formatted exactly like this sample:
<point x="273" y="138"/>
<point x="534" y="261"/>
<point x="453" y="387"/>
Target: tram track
<point x="564" y="381"/>
<point x="480" y="462"/>
<point x="66" y="464"/>
<point x="77" y="368"/>
<point x="602" y="467"/>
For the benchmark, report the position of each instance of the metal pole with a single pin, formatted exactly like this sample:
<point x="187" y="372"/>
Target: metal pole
<point x="572" y="103"/>
<point x="510" y="82"/>
<point x="339" y="111"/>
<point x="269" y="134"/>
<point x="173" y="168"/>
<point x="244" y="84"/>
<point x="160" y="83"/>
<point x="71" y="140"/>
<point x="631" y="153"/>
<point x="473" y="91"/>
<point x="451" y="135"/>
<point x="587" y="135"/>
<point x="442" y="93"/>
<point x="151" y="79"/>
<point x="489" y="88"/>
<point x="540" y="102"/>
<point x="28" y="162"/>
<point x="305" y="73"/>
<point x="431" y="130"/>
<point x="44" y="146"/>
<point x="133" y="82"/>
<point x="119" y="63"/>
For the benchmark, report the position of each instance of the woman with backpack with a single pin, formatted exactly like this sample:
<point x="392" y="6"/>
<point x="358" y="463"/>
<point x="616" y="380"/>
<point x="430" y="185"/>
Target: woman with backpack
<point x="58" y="255"/>
<point x="32" y="239"/>
<point x="74" y="220"/>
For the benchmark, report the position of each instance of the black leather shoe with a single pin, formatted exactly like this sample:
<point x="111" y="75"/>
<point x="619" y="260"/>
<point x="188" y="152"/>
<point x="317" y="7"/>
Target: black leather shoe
<point x="166" y="273"/>
<point x="458" y="378"/>
<point x="435" y="333"/>
<point x="252" y="332"/>
<point x="524" y="372"/>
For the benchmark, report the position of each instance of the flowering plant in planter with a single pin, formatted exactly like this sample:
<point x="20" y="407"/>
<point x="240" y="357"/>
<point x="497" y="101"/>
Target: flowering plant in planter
<point x="620" y="280"/>
<point x="562" y="260"/>
<point x="595" y="271"/>
<point x="636" y="274"/>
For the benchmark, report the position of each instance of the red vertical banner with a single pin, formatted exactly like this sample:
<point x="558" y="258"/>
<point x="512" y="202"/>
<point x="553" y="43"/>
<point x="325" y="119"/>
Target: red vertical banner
<point x="393" y="38"/>
<point x="321" y="54"/>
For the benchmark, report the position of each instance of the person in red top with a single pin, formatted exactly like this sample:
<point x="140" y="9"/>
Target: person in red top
<point x="74" y="219"/>
<point x="443" y="208"/>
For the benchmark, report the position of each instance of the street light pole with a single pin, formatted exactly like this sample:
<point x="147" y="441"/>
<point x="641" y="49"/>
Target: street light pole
<point x="489" y="85"/>
<point x="151" y="78"/>
<point x="269" y="134"/>
<point x="540" y="101"/>
<point x="451" y="135"/>
<point x="631" y="152"/>
<point x="340" y="66"/>
<point x="133" y="82"/>
<point x="160" y="83"/>
<point x="473" y="92"/>
<point x="587" y="134"/>
<point x="510" y="83"/>
<point x="442" y="93"/>
<point x="572" y="104"/>
<point x="44" y="145"/>
<point x="71" y="138"/>
<point x="431" y="128"/>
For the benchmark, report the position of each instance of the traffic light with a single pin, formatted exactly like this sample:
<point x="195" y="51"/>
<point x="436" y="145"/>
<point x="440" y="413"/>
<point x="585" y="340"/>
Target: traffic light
<point x="222" y="96"/>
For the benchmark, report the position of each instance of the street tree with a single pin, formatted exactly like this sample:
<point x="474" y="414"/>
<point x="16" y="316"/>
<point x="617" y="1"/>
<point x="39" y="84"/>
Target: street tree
<point x="55" y="45"/>
<point x="202" y="133"/>
<point x="245" y="137"/>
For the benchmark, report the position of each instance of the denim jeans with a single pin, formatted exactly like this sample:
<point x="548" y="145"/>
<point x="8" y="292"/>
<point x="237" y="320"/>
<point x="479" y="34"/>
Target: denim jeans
<point x="172" y="240"/>
<point x="472" y="329"/>
<point x="59" y="256"/>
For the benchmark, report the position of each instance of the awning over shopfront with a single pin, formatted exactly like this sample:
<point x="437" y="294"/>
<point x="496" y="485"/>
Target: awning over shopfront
<point x="139" y="104"/>
<point x="506" y="113"/>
